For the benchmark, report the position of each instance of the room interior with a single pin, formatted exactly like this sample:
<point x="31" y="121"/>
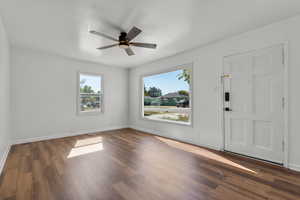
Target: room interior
<point x="133" y="99"/>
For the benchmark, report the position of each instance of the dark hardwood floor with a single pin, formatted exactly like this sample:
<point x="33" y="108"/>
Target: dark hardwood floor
<point x="130" y="165"/>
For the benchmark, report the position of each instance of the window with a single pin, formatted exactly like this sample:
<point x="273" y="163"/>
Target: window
<point x="90" y="93"/>
<point x="167" y="96"/>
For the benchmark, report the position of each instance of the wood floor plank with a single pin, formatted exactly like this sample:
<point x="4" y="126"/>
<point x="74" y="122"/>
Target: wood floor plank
<point x="24" y="186"/>
<point x="128" y="164"/>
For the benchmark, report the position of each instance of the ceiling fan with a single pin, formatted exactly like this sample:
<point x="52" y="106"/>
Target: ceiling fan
<point x="124" y="41"/>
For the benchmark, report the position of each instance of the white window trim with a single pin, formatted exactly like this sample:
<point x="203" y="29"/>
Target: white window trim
<point x="84" y="113"/>
<point x="171" y="69"/>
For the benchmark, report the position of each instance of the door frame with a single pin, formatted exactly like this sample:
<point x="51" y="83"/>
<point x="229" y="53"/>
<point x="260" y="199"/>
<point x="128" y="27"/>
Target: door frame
<point x="286" y="97"/>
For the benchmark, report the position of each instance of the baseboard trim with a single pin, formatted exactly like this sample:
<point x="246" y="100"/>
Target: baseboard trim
<point x="4" y="157"/>
<point x="159" y="133"/>
<point x="294" y="167"/>
<point x="56" y="136"/>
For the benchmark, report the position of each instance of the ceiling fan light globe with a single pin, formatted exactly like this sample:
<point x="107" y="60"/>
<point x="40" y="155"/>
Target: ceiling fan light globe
<point x="123" y="46"/>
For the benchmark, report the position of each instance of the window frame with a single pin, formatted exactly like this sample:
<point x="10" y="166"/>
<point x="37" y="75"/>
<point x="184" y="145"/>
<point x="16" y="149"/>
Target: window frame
<point x="82" y="113"/>
<point x="170" y="69"/>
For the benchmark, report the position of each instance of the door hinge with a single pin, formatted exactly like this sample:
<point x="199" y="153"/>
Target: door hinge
<point x="283" y="57"/>
<point x="283" y="102"/>
<point x="283" y="145"/>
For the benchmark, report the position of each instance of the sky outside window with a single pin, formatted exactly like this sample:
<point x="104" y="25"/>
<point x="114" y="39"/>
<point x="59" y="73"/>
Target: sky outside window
<point x="93" y="81"/>
<point x="167" y="82"/>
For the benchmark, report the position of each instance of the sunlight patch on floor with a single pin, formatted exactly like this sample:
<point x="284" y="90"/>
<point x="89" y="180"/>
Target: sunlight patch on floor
<point x="88" y="141"/>
<point x="86" y="146"/>
<point x="203" y="152"/>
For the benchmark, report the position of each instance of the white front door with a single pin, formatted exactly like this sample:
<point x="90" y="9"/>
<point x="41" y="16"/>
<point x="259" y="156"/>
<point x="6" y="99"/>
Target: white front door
<point x="253" y="108"/>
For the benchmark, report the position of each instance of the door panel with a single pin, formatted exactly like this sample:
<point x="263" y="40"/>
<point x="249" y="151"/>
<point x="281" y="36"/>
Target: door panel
<point x="254" y="126"/>
<point x="262" y="135"/>
<point x="237" y="134"/>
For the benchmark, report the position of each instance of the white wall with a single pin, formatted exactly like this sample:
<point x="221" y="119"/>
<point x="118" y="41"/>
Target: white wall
<point x="4" y="95"/>
<point x="207" y="61"/>
<point x="44" y="96"/>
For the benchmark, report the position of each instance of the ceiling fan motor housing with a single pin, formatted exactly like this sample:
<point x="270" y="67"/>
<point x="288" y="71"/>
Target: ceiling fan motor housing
<point x="123" y="43"/>
<point x="122" y="37"/>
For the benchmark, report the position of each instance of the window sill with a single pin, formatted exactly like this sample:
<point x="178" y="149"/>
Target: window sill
<point x="189" y="124"/>
<point x="89" y="113"/>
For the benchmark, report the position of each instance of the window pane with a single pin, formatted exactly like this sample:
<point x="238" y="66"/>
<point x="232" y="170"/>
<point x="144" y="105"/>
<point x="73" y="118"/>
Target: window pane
<point x="167" y="96"/>
<point x="90" y="93"/>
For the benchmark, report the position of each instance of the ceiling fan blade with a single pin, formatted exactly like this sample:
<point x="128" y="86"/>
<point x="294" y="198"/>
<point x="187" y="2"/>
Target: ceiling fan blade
<point x="145" y="45"/>
<point x="103" y="35"/>
<point x="133" y="33"/>
<point x="129" y="52"/>
<point x="108" y="46"/>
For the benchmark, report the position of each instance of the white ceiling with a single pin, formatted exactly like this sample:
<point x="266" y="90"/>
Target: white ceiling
<point x="61" y="26"/>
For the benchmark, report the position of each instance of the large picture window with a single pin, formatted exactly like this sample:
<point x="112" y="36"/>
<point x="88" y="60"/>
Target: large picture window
<point x="167" y="96"/>
<point x="90" y="93"/>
